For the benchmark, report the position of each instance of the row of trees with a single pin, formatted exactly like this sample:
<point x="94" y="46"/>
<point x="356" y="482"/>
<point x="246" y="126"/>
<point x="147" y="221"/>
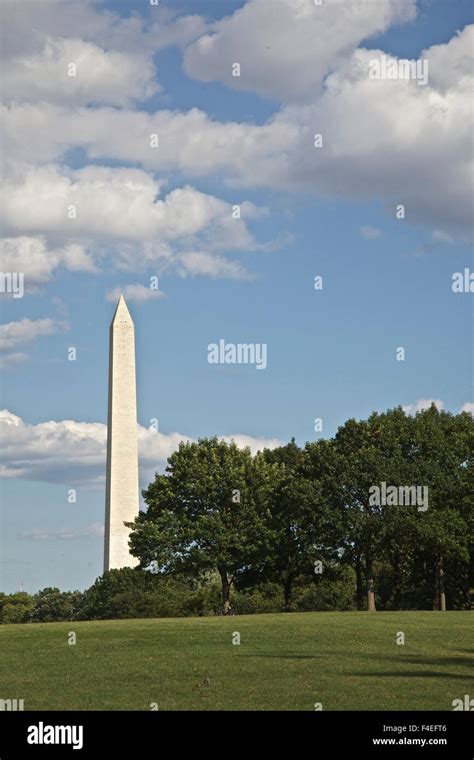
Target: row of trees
<point x="133" y="593"/>
<point x="287" y="515"/>
<point x="295" y="528"/>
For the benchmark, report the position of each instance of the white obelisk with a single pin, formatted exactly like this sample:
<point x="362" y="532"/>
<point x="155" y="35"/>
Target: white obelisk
<point x="121" y="499"/>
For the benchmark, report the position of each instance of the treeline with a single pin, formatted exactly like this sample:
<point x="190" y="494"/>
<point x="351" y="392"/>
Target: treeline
<point x="134" y="593"/>
<point x="391" y="498"/>
<point x="378" y="517"/>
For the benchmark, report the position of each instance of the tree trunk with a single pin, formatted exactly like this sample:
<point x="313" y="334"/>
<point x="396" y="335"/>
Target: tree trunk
<point x="287" y="589"/>
<point x="359" y="584"/>
<point x="466" y="593"/>
<point x="225" y="590"/>
<point x="369" y="574"/>
<point x="441" y="591"/>
<point x="397" y="579"/>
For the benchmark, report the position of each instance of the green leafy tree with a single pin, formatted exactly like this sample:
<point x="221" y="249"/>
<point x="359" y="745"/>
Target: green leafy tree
<point x="432" y="451"/>
<point x="15" y="608"/>
<point x="299" y="521"/>
<point x="208" y="512"/>
<point x="365" y="454"/>
<point x="445" y="463"/>
<point x="51" y="605"/>
<point x="97" y="601"/>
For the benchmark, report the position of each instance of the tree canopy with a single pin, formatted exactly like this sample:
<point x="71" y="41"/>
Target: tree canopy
<point x="390" y="496"/>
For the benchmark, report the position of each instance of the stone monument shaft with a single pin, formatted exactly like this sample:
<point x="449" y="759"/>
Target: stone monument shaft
<point x="121" y="500"/>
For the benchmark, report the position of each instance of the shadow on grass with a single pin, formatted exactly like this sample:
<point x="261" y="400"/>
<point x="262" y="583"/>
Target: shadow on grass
<point x="413" y="660"/>
<point x="410" y="674"/>
<point x="284" y="656"/>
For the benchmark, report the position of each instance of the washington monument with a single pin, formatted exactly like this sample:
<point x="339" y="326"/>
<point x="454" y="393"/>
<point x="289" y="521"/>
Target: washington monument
<point x="121" y="496"/>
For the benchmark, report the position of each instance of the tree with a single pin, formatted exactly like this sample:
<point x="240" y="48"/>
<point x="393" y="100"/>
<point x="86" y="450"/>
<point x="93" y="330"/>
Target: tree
<point x="298" y="521"/>
<point x="51" y="605"/>
<point x="97" y="602"/>
<point x="445" y="463"/>
<point x="15" y="608"/>
<point x="208" y="512"/>
<point x="366" y="454"/>
<point x="432" y="452"/>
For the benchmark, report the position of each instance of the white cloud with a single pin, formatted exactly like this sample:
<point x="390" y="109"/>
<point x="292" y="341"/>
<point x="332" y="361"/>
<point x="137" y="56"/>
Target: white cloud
<point x="26" y="330"/>
<point x="407" y="143"/>
<point x="370" y="233"/>
<point x="113" y="53"/>
<point x="73" y="453"/>
<point x="196" y="263"/>
<point x="286" y="50"/>
<point x="190" y="142"/>
<point x="254" y="444"/>
<point x="425" y="403"/>
<point x="134" y="293"/>
<point x="99" y="76"/>
<point x="421" y="404"/>
<point x="95" y="208"/>
<point x="38" y="262"/>
<point x="59" y="452"/>
<point x="108" y="203"/>
<point x="450" y="64"/>
<point x="29" y="24"/>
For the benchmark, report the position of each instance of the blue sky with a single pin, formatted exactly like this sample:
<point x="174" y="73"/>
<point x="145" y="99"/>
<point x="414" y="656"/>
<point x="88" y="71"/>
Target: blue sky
<point x="331" y="352"/>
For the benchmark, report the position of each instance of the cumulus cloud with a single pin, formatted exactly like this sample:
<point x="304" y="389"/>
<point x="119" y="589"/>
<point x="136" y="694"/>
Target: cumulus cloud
<point x="134" y="293"/>
<point x="254" y="444"/>
<point x="450" y="64"/>
<point x="406" y="144"/>
<point x="116" y="204"/>
<point x="286" y="51"/>
<point x="26" y="330"/>
<point x="421" y="404"/>
<point x="425" y="403"/>
<point x="195" y="263"/>
<point x="74" y="453"/>
<point x="113" y="54"/>
<point x="86" y="210"/>
<point x="190" y="142"/>
<point x="61" y="452"/>
<point x="38" y="262"/>
<point x="79" y="72"/>
<point x="28" y="25"/>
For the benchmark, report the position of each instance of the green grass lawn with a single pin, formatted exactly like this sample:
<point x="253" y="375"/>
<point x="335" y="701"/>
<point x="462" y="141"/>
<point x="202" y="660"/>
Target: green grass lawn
<point x="344" y="660"/>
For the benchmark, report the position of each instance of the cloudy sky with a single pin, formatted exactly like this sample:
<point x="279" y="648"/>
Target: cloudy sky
<point x="128" y="142"/>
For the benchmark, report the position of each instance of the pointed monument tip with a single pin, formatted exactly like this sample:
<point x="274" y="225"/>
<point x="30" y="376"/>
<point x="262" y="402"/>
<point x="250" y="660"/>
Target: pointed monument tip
<point x="122" y="313"/>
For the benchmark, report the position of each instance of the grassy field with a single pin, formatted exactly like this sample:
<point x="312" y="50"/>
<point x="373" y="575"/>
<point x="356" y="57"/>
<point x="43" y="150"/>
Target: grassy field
<point x="345" y="661"/>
